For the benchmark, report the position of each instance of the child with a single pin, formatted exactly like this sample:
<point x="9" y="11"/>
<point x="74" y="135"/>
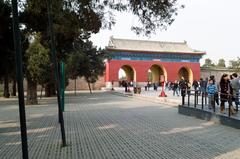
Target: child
<point x="211" y="91"/>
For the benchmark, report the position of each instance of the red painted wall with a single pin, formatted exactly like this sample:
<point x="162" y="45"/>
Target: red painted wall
<point x="142" y="67"/>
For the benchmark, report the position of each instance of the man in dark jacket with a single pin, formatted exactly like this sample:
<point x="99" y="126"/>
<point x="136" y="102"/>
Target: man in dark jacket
<point x="183" y="87"/>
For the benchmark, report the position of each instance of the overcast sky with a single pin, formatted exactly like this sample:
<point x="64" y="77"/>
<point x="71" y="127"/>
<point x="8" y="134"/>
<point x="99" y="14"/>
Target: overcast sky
<point x="207" y="25"/>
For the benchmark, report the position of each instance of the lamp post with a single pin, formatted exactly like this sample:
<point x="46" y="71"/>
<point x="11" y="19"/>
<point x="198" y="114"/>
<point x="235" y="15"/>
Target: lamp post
<point x="19" y="71"/>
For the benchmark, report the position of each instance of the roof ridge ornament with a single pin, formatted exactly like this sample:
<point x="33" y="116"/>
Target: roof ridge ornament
<point x="110" y="43"/>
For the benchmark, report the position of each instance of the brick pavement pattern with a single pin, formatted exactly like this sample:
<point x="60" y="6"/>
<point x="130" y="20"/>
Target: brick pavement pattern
<point x="106" y="126"/>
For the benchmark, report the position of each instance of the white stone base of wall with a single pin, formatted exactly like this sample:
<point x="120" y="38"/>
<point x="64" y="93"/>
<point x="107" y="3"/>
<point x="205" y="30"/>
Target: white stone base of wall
<point x="108" y="85"/>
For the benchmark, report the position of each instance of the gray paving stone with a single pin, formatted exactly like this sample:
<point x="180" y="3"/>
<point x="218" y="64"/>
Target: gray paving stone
<point x="106" y="126"/>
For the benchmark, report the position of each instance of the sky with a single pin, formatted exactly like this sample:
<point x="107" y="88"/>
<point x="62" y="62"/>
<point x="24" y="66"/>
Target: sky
<point x="207" y="25"/>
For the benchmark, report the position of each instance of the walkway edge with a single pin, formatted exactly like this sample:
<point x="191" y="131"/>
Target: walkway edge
<point x="161" y="100"/>
<point x="209" y="116"/>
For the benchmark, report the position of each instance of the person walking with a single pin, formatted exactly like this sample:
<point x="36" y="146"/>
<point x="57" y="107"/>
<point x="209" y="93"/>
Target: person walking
<point x="225" y="95"/>
<point x="183" y="87"/>
<point x="212" y="77"/>
<point x="203" y="85"/>
<point x="175" y="88"/>
<point x="195" y="85"/>
<point x="235" y="89"/>
<point x="211" y="91"/>
<point x="125" y="85"/>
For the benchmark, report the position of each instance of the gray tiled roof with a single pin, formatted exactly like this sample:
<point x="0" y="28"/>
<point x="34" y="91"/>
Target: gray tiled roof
<point x="150" y="46"/>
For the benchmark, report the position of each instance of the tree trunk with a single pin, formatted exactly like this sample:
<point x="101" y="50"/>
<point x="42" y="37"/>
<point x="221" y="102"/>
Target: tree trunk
<point x="31" y="92"/>
<point x="75" y="86"/>
<point x="6" y="93"/>
<point x="41" y="92"/>
<point x="14" y="88"/>
<point x="89" y="88"/>
<point x="47" y="90"/>
<point x="50" y="90"/>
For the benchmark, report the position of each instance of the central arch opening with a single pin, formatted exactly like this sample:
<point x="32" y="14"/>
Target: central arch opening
<point x="186" y="74"/>
<point x="155" y="73"/>
<point x="127" y="73"/>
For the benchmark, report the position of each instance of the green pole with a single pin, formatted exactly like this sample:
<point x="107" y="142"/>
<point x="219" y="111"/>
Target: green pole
<point x="56" y="70"/>
<point x="62" y="84"/>
<point x="19" y="71"/>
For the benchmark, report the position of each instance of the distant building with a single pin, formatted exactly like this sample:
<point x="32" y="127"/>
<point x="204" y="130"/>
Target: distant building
<point x="144" y="61"/>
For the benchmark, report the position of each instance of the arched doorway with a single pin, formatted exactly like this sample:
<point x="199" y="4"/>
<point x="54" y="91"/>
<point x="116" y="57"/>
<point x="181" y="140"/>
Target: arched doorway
<point x="155" y="72"/>
<point x="127" y="73"/>
<point x="186" y="74"/>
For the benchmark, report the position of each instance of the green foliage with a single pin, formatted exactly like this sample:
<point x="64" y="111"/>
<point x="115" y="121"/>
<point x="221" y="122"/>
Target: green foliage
<point x="221" y="63"/>
<point x="208" y="63"/>
<point x="7" y="66"/>
<point x="87" y="61"/>
<point x="153" y="14"/>
<point x="73" y="19"/>
<point x="38" y="63"/>
<point x="235" y="64"/>
<point x="73" y="23"/>
<point x="73" y="63"/>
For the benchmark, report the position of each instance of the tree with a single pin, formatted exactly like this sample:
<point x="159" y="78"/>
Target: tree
<point x="87" y="62"/>
<point x="208" y="63"/>
<point x="71" y="66"/>
<point x="221" y="63"/>
<point x="235" y="64"/>
<point x="38" y="68"/>
<point x="78" y="19"/>
<point x="7" y="66"/>
<point x="66" y="27"/>
<point x="152" y="14"/>
<point x="85" y="17"/>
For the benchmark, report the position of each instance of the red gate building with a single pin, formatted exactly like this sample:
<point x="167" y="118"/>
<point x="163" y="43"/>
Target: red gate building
<point x="147" y="61"/>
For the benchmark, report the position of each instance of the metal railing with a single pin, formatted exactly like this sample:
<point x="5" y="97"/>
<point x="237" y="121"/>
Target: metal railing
<point x="204" y="100"/>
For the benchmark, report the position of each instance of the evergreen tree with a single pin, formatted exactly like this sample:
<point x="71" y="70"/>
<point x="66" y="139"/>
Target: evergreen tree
<point x="7" y="65"/>
<point x="38" y="68"/>
<point x="87" y="62"/>
<point x="208" y="63"/>
<point x="221" y="63"/>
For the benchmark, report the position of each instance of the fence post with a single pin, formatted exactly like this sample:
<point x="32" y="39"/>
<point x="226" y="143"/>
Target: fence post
<point x="183" y="96"/>
<point x="229" y="111"/>
<point x="197" y="96"/>
<point x="205" y="96"/>
<point x="237" y="101"/>
<point x="183" y="102"/>
<point x="195" y="100"/>
<point x="202" y="100"/>
<point x="214" y="108"/>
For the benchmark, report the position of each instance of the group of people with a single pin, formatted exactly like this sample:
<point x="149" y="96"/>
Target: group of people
<point x="126" y="84"/>
<point x="155" y="85"/>
<point x="179" y="86"/>
<point x="228" y="88"/>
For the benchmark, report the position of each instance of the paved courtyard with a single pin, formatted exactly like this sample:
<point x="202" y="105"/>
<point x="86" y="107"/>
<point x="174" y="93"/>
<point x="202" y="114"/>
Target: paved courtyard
<point x="107" y="126"/>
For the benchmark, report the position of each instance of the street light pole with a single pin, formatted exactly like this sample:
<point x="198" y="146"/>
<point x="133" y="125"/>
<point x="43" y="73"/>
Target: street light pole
<point x="19" y="71"/>
<point x="56" y="71"/>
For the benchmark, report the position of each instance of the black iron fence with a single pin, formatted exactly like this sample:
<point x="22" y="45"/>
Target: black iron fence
<point x="201" y="100"/>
